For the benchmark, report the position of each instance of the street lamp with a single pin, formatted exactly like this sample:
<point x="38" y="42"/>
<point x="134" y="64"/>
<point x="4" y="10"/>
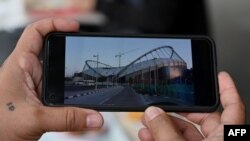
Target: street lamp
<point x="97" y="60"/>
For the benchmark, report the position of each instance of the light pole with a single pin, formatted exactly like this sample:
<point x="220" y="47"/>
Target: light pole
<point x="97" y="60"/>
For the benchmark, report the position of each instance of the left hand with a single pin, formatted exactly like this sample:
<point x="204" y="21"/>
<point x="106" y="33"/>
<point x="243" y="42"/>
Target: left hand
<point x="22" y="115"/>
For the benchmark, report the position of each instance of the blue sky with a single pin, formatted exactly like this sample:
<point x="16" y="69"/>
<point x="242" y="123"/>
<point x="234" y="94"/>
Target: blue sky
<point x="79" y="49"/>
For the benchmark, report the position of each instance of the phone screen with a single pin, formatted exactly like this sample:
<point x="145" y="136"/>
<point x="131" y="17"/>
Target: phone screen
<point x="123" y="72"/>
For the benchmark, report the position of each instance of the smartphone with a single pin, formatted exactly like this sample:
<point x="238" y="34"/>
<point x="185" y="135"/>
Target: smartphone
<point x="122" y="72"/>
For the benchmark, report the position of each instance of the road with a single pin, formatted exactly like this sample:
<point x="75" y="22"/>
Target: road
<point x="116" y="96"/>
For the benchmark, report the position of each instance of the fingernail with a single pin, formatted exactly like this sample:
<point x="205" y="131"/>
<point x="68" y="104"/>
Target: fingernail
<point x="152" y="112"/>
<point x="94" y="121"/>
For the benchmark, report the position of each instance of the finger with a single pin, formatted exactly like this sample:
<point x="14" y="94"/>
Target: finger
<point x="69" y="119"/>
<point x="207" y="121"/>
<point x="40" y="85"/>
<point x="145" y="135"/>
<point x="199" y="118"/>
<point x="31" y="43"/>
<point x="188" y="130"/>
<point x="39" y="90"/>
<point x="160" y="125"/>
<point x="234" y="109"/>
<point x="28" y="62"/>
<point x="32" y="37"/>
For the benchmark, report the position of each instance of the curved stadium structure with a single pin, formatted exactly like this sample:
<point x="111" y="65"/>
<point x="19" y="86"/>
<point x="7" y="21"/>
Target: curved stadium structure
<point x="154" y="72"/>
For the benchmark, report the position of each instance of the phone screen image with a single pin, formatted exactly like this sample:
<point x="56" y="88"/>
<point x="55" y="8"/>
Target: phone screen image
<point x="130" y="72"/>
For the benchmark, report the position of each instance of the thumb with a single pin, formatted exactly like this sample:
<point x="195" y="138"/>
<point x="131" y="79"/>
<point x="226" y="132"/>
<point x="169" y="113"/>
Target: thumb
<point x="69" y="119"/>
<point x="161" y="126"/>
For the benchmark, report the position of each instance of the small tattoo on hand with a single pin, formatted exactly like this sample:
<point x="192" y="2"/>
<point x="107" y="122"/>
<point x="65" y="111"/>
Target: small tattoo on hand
<point x="10" y="106"/>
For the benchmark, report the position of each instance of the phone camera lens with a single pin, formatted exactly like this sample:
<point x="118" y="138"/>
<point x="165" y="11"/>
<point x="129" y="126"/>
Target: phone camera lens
<point x="52" y="96"/>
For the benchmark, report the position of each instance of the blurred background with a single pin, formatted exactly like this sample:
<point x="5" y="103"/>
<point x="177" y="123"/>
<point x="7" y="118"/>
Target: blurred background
<point x="226" y="21"/>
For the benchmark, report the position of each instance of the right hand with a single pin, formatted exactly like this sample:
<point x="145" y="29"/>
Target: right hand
<point x="161" y="127"/>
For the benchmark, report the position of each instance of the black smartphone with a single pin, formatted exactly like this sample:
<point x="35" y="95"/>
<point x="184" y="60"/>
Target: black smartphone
<point x="111" y="72"/>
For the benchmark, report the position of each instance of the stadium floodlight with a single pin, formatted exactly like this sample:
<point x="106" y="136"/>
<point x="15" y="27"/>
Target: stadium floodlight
<point x="97" y="60"/>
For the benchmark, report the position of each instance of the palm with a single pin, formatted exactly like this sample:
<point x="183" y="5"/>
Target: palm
<point x="217" y="134"/>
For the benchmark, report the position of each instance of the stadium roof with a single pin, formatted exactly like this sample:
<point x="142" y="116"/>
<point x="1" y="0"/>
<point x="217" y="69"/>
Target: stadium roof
<point x="161" y="57"/>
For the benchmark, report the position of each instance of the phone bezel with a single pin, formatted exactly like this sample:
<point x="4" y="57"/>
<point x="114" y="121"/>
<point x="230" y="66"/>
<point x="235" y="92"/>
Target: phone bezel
<point x="213" y="69"/>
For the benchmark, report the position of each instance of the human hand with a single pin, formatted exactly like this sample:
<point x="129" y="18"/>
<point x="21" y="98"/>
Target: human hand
<point x="22" y="115"/>
<point x="162" y="127"/>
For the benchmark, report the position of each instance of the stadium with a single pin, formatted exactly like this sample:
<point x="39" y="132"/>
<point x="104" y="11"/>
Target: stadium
<point x="158" y="76"/>
<point x="152" y="73"/>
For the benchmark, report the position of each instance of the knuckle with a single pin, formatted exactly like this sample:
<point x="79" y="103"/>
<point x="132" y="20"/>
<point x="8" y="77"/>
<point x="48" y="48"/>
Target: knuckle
<point x="38" y="116"/>
<point x="34" y="25"/>
<point x="24" y="60"/>
<point x="30" y="26"/>
<point x="158" y="121"/>
<point x="71" y="120"/>
<point x="241" y="107"/>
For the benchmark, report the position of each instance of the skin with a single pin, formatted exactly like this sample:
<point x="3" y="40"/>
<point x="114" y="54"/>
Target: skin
<point x="23" y="117"/>
<point x="159" y="126"/>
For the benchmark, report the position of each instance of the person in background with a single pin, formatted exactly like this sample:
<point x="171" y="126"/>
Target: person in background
<point x="23" y="117"/>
